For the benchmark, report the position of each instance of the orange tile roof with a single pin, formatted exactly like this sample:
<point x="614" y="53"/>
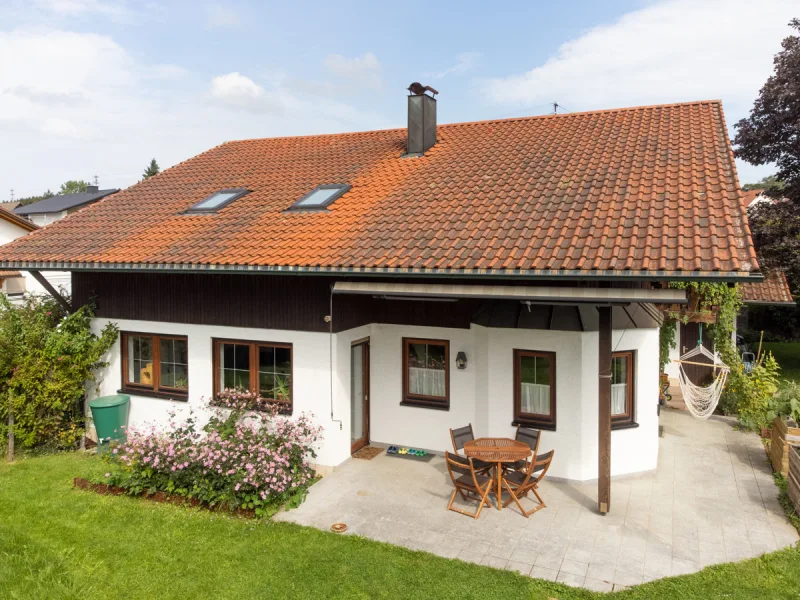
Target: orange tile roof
<point x="773" y="290"/>
<point x="7" y="274"/>
<point x="636" y="191"/>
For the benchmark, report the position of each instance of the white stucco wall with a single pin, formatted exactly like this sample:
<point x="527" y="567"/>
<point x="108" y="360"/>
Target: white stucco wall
<point x="311" y="385"/>
<point x="481" y="394"/>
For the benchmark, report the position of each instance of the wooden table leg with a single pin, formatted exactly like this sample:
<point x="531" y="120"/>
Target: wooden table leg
<point x="499" y="469"/>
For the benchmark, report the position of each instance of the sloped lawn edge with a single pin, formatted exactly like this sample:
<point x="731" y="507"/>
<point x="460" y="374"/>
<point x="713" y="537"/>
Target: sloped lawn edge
<point x="162" y="497"/>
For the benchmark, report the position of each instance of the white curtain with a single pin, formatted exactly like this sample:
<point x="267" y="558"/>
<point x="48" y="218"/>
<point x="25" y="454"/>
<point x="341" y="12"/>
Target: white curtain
<point x="619" y="394"/>
<point x="426" y="382"/>
<point x="535" y="398"/>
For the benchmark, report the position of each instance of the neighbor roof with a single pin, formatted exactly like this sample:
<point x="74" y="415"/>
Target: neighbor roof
<point x="647" y="191"/>
<point x="17" y="220"/>
<point x="63" y="202"/>
<point x="774" y="289"/>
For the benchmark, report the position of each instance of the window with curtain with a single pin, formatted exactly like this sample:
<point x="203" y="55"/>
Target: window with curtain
<point x="535" y="388"/>
<point x="622" y="388"/>
<point x="426" y="377"/>
<point x="155" y="363"/>
<point x="262" y="366"/>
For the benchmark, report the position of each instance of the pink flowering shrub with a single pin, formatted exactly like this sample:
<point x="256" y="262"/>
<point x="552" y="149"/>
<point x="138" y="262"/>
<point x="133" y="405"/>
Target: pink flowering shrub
<point x="257" y="461"/>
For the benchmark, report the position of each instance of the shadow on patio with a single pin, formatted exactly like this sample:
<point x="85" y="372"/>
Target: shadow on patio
<point x="712" y="499"/>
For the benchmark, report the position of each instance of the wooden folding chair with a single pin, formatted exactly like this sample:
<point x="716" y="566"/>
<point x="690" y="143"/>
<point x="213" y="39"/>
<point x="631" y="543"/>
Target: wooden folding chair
<point x="467" y="480"/>
<point x="461" y="436"/>
<point x="519" y="483"/>
<point x="532" y="437"/>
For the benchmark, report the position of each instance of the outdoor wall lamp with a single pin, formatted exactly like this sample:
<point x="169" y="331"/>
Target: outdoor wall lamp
<point x="461" y="360"/>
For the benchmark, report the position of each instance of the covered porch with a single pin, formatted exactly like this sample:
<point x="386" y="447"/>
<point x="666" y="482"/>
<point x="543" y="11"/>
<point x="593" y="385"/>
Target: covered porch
<point x="711" y="500"/>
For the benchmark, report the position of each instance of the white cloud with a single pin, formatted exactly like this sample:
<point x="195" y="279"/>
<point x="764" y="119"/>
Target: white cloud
<point x="465" y="62"/>
<point x="78" y="7"/>
<point x="77" y="104"/>
<point x="675" y="50"/>
<point x="219" y="16"/>
<point x="234" y="90"/>
<point x="364" y="70"/>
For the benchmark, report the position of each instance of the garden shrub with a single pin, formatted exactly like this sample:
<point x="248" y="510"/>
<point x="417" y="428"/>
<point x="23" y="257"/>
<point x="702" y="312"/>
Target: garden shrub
<point x="251" y="460"/>
<point x="752" y="394"/>
<point x="786" y="403"/>
<point x="47" y="357"/>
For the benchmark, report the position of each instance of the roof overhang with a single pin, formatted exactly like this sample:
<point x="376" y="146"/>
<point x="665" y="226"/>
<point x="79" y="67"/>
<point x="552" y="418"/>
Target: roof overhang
<point x="545" y="294"/>
<point x="519" y="274"/>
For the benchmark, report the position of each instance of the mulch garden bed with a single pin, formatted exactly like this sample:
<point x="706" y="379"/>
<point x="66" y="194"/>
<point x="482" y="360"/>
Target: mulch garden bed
<point x="113" y="490"/>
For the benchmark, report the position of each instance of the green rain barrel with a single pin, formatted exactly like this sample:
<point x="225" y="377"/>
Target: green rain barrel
<point x="110" y="415"/>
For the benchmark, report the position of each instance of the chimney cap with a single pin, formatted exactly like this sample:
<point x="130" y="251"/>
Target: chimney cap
<point x="417" y="89"/>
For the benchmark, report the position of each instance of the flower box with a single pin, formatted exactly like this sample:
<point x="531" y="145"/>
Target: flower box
<point x="794" y="477"/>
<point x="783" y="437"/>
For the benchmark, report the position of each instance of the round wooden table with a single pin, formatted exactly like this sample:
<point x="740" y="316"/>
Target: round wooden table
<point x="497" y="451"/>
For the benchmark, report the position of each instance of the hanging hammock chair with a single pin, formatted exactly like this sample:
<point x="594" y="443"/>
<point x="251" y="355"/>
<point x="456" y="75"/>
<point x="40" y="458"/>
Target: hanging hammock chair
<point x="702" y="401"/>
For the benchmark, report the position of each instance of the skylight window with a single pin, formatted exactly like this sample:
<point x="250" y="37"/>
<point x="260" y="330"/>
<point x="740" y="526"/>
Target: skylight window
<point x="216" y="201"/>
<point x="320" y="197"/>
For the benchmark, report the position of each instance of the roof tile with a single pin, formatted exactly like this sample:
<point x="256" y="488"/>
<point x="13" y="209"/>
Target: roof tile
<point x="629" y="190"/>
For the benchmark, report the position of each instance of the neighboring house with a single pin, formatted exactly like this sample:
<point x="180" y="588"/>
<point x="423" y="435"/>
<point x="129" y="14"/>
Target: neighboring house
<point x="59" y="206"/>
<point x="14" y="283"/>
<point x="9" y="206"/>
<point x="47" y="211"/>
<point x="398" y="283"/>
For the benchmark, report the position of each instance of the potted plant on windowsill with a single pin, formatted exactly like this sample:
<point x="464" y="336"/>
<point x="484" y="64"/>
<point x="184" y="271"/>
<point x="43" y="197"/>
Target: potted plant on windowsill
<point x="785" y="417"/>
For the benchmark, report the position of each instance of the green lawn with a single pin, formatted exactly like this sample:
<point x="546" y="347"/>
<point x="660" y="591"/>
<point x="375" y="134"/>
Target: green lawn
<point x="57" y="542"/>
<point x="788" y="356"/>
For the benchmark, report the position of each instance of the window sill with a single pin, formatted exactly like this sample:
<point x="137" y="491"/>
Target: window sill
<point x="544" y="426"/>
<point x="627" y="425"/>
<point x="152" y="394"/>
<point x="421" y="404"/>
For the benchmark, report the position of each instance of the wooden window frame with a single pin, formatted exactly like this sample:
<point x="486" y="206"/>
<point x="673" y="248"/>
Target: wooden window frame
<point x="254" y="345"/>
<point x="156" y="389"/>
<point x="527" y="419"/>
<point x="627" y="419"/>
<point x="419" y="400"/>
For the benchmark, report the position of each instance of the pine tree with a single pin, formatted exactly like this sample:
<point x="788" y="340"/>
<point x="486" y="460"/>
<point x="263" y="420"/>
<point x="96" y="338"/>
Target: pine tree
<point x="152" y="169"/>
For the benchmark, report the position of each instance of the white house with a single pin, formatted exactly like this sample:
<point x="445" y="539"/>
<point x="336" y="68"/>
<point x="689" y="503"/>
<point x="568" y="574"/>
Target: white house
<point x="400" y="283"/>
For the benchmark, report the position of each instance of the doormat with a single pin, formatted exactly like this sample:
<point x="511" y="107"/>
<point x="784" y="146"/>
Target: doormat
<point x="410" y="453"/>
<point x="368" y="452"/>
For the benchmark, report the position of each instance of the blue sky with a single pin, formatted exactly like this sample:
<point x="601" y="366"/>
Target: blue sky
<point x="98" y="87"/>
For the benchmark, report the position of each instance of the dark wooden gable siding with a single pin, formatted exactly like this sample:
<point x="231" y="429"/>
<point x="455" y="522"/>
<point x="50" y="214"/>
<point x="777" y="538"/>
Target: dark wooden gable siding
<point x="301" y="303"/>
<point x="259" y="301"/>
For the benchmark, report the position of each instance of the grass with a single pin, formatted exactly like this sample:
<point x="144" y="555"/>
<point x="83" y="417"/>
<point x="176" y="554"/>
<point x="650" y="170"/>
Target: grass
<point x="57" y="542"/>
<point x="788" y="356"/>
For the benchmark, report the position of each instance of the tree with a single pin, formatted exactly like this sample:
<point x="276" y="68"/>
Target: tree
<point x="73" y="187"/>
<point x="770" y="134"/>
<point x="152" y="169"/>
<point x="32" y="199"/>
<point x="770" y="182"/>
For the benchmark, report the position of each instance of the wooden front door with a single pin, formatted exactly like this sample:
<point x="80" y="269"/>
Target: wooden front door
<point x="690" y="335"/>
<point x="359" y="395"/>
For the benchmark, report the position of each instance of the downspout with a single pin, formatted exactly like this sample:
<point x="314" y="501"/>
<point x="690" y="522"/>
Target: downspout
<point x="330" y="357"/>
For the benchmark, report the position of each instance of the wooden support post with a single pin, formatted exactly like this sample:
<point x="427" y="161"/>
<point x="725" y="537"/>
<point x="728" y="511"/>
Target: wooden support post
<point x="604" y="413"/>
<point x="10" y="454"/>
<point x="51" y="290"/>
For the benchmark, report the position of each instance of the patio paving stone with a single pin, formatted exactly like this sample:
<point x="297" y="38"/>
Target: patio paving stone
<point x="711" y="500"/>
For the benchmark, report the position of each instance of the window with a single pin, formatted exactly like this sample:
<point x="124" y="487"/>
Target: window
<point x="320" y="197"/>
<point x="535" y="388"/>
<point x="216" y="201"/>
<point x="155" y="363"/>
<point x="262" y="366"/>
<point x="426" y="373"/>
<point x="621" y="388"/>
